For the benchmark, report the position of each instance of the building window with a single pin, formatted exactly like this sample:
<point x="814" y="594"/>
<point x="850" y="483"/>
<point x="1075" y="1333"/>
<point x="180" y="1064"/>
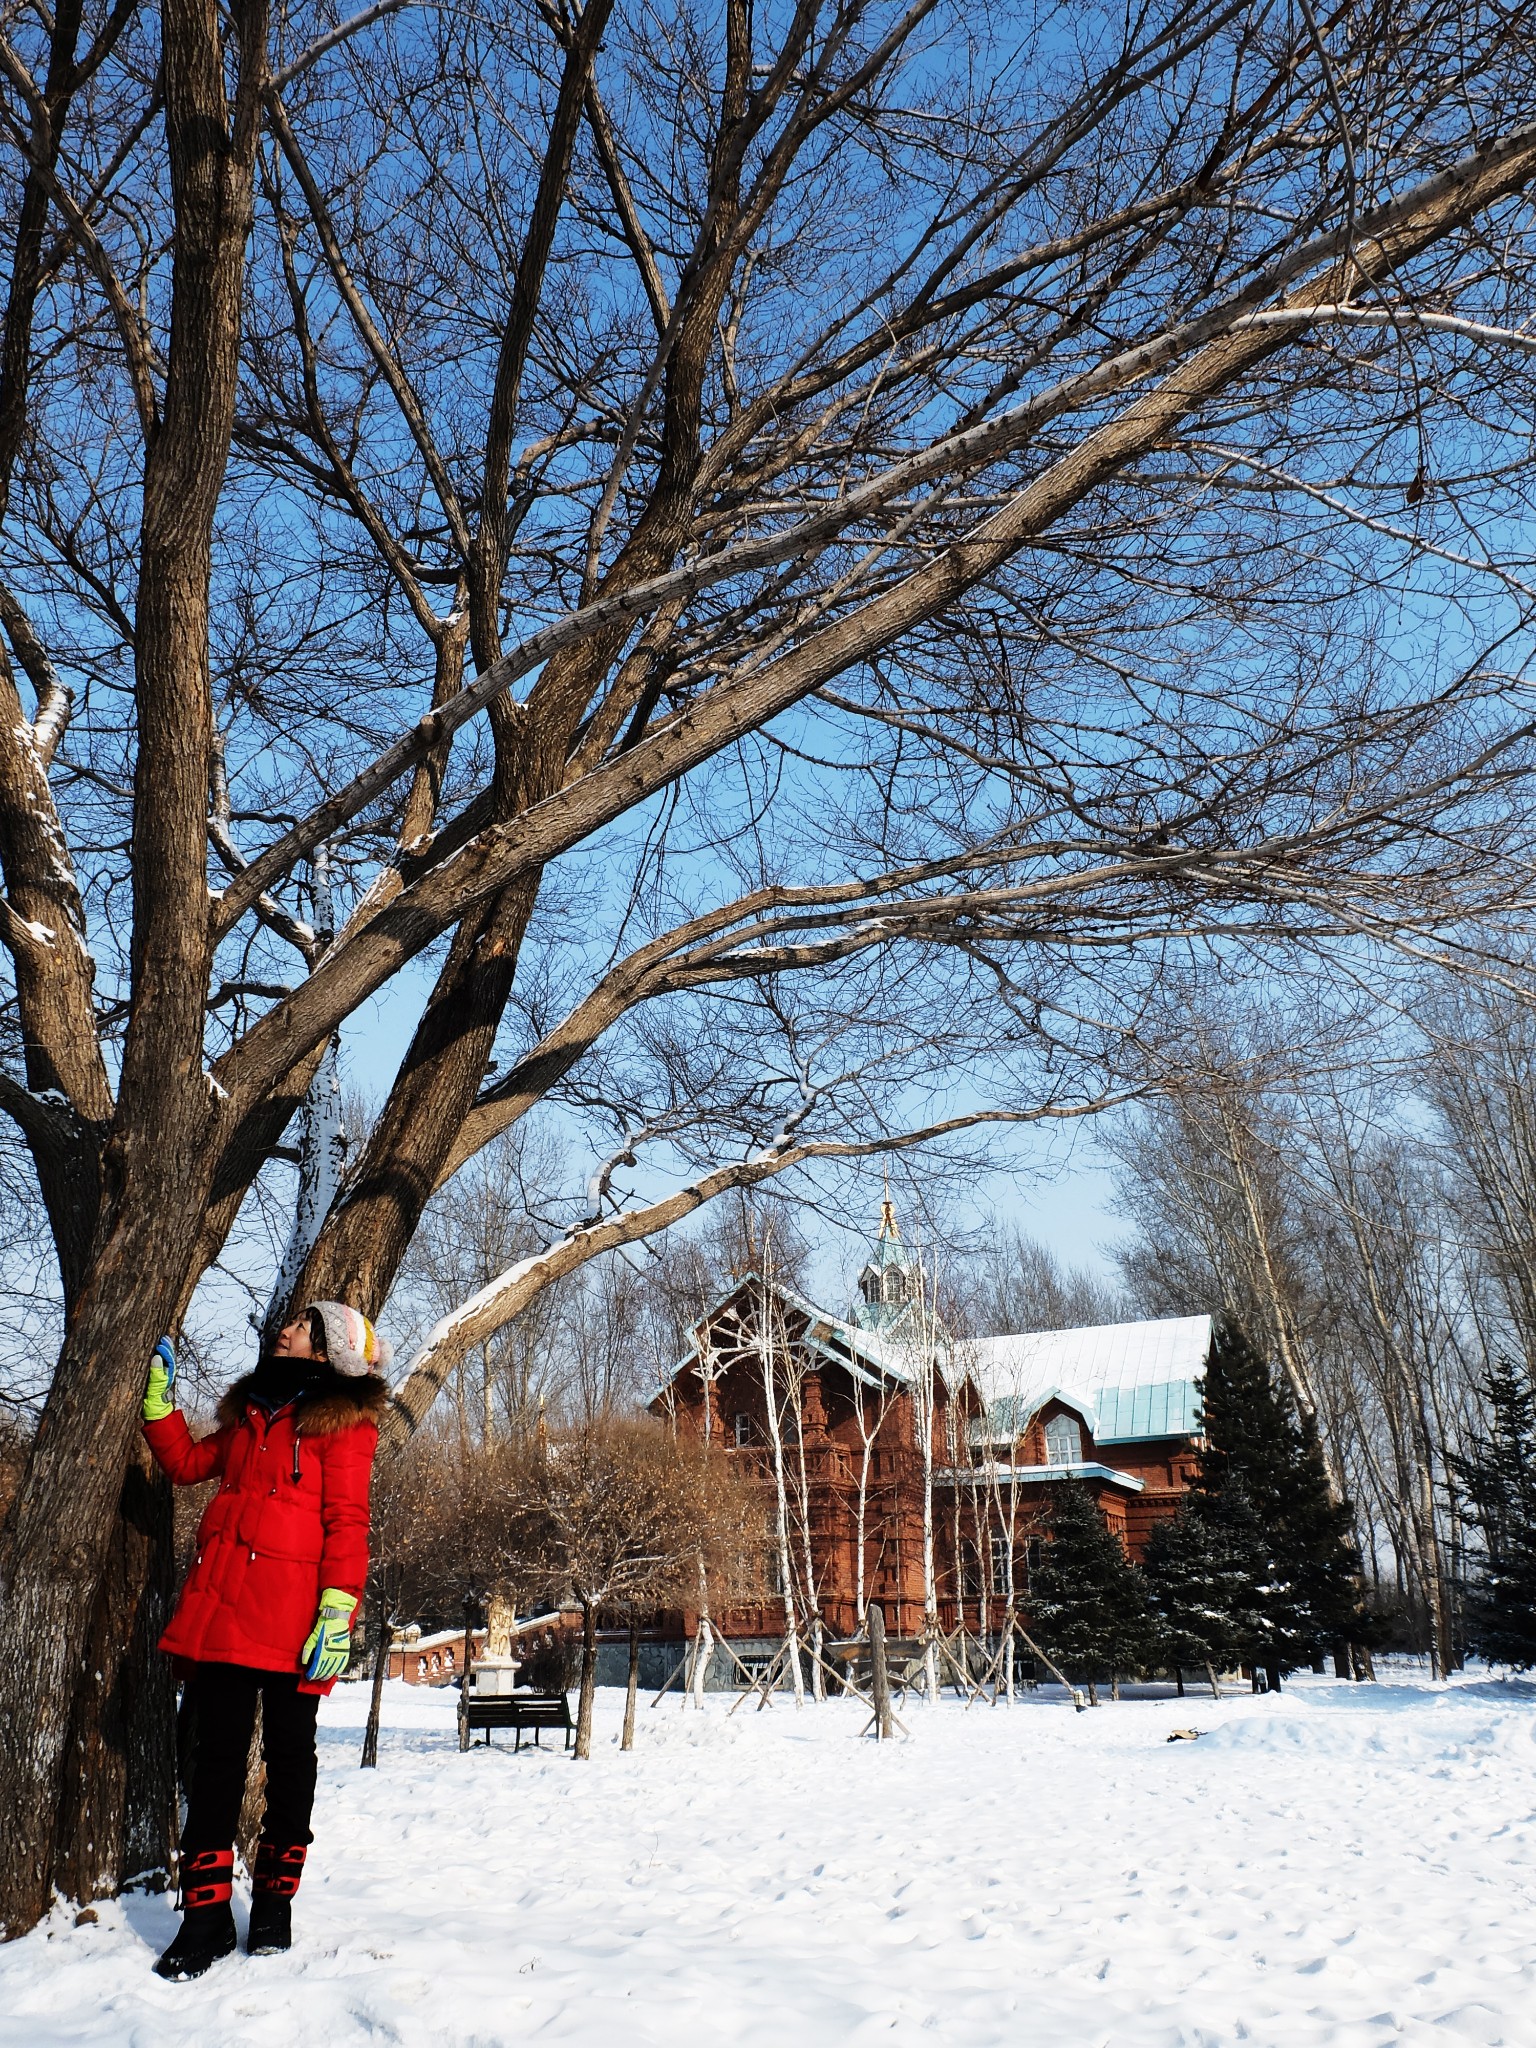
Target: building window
<point x="743" y="1431"/>
<point x="1032" y="1555"/>
<point x="1063" y="1441"/>
<point x="1000" y="1565"/>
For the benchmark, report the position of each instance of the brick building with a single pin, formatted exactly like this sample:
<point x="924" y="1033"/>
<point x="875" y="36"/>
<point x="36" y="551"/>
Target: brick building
<point x="840" y="1405"/>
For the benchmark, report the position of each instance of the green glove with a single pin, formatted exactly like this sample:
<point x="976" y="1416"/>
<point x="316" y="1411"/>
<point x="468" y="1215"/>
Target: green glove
<point x="158" y="1402"/>
<point x="329" y="1647"/>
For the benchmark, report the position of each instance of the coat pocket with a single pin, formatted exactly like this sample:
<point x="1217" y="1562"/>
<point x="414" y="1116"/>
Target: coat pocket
<point x="290" y="1529"/>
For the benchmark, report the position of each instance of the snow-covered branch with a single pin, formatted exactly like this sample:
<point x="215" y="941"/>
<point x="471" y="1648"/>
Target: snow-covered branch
<point x="503" y="1299"/>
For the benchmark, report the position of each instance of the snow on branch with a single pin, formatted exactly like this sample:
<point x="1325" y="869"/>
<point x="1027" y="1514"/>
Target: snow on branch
<point x="503" y="1299"/>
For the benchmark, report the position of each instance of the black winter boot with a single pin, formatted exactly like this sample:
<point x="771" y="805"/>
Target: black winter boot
<point x="207" y="1924"/>
<point x="271" y="1928"/>
<point x="276" y="1879"/>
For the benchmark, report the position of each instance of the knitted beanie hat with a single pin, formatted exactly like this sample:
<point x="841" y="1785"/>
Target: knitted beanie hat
<point x="352" y="1344"/>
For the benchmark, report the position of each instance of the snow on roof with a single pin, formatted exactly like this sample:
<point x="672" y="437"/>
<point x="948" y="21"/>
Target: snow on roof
<point x="868" y="1352"/>
<point x="436" y="1641"/>
<point x="1131" y="1380"/>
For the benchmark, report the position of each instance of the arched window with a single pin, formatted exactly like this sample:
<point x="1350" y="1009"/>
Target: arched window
<point x="1063" y="1441"/>
<point x="892" y="1286"/>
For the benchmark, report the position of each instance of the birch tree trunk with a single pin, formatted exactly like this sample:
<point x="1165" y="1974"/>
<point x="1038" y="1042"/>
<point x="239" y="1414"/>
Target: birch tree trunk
<point x="813" y="1603"/>
<point x="781" y="1505"/>
<point x="930" y="1579"/>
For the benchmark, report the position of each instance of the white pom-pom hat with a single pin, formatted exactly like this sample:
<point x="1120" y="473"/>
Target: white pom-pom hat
<point x="352" y="1344"/>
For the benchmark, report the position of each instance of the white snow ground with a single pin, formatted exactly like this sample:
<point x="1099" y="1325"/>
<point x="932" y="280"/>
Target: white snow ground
<point x="1337" y="1865"/>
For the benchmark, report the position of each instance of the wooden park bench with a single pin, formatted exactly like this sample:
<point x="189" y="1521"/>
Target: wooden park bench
<point x="517" y="1710"/>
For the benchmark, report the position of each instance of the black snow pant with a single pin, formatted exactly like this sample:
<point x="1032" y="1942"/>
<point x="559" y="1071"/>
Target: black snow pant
<point x="221" y="1702"/>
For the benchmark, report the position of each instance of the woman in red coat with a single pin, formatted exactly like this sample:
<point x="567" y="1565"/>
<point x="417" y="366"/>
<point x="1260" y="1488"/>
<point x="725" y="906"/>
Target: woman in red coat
<point x="266" y="1612"/>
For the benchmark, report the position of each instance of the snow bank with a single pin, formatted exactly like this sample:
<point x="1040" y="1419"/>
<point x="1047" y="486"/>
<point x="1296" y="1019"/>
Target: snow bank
<point x="1338" y="1865"/>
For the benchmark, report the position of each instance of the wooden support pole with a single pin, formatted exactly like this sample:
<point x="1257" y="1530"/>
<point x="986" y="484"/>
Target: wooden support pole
<point x="1055" y="1670"/>
<point x="671" y="1679"/>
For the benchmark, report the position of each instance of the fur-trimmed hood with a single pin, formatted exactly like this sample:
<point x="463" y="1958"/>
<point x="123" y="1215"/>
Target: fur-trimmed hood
<point x="335" y="1402"/>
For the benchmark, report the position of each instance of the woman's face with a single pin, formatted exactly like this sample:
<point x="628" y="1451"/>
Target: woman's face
<point x="296" y="1341"/>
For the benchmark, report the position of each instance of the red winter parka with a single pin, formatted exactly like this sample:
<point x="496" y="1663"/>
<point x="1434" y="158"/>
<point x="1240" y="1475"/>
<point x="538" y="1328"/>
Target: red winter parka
<point x="289" y="1520"/>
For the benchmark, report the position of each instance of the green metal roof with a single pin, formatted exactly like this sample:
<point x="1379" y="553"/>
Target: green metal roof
<point x="1168" y="1408"/>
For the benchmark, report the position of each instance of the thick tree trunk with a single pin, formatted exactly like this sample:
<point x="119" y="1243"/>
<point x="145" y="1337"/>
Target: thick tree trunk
<point x="157" y="1160"/>
<point x="60" y="1540"/>
<point x="117" y="1816"/>
<point x="253" y="1803"/>
<point x="362" y="1241"/>
<point x="588" y="1679"/>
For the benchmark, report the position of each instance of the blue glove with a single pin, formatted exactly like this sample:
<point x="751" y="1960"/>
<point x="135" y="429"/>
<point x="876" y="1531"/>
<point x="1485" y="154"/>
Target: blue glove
<point x="158" y="1399"/>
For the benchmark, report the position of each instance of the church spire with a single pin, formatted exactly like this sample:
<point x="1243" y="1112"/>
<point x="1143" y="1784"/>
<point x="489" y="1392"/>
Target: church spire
<point x="887" y="1285"/>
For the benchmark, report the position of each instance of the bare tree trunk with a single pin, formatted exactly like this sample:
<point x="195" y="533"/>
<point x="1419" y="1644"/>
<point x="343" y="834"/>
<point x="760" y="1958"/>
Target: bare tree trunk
<point x="117" y="1817"/>
<point x="813" y="1604"/>
<point x="253" y="1804"/>
<point x="588" y="1678"/>
<point x="880" y="1674"/>
<point x="703" y="1650"/>
<point x="781" y="1500"/>
<point x="930" y="1579"/>
<point x="861" y="1520"/>
<point x="370" y="1756"/>
<point x="627" y="1740"/>
<point x="159" y="1146"/>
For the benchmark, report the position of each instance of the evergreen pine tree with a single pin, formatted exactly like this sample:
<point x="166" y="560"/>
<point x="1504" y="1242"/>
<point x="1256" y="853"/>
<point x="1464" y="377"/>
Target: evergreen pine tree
<point x="1088" y="1602"/>
<point x="1320" y="1551"/>
<point x="1247" y="1423"/>
<point x="1500" y="1483"/>
<point x="1249" y="1598"/>
<point x="1189" y="1572"/>
<point x="1308" y="1568"/>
